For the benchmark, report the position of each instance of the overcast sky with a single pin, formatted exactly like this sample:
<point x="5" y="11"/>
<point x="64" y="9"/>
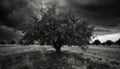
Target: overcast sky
<point x="104" y="14"/>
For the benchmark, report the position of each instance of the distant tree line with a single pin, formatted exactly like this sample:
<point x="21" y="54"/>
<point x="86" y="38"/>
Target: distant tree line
<point x="108" y="42"/>
<point x="10" y="42"/>
<point x="96" y="42"/>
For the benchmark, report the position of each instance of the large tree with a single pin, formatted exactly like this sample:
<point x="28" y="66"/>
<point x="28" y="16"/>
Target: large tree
<point x="13" y="41"/>
<point x="57" y="29"/>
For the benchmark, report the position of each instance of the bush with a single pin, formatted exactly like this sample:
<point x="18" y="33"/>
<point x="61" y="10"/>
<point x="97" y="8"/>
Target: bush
<point x="13" y="42"/>
<point x="3" y="42"/>
<point x="118" y="42"/>
<point x="109" y="42"/>
<point x="96" y="42"/>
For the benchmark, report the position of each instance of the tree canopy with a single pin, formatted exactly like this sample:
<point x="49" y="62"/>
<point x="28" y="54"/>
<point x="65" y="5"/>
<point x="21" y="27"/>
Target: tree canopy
<point x="97" y="42"/>
<point x="3" y="42"/>
<point x="57" y="29"/>
<point x="109" y="42"/>
<point x="118" y="42"/>
<point x="13" y="41"/>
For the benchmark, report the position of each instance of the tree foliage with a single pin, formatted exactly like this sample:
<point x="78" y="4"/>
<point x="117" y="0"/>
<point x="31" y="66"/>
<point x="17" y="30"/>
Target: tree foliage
<point x="104" y="43"/>
<point x="13" y="41"/>
<point x="57" y="29"/>
<point x="97" y="42"/>
<point x="3" y="42"/>
<point x="118" y="42"/>
<point x="109" y="42"/>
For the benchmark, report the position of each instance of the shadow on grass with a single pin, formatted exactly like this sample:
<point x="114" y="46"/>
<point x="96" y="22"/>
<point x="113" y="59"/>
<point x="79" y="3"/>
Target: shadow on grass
<point x="49" y="60"/>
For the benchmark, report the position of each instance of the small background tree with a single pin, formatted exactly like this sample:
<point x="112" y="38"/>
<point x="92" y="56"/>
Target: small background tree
<point x="104" y="43"/>
<point x="25" y="42"/>
<point x="118" y="42"/>
<point x="57" y="29"/>
<point x="96" y="42"/>
<point x="3" y="42"/>
<point x="13" y="41"/>
<point x="109" y="42"/>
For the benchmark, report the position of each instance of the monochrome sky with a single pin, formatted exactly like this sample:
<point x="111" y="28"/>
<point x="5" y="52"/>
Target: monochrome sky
<point x="103" y="14"/>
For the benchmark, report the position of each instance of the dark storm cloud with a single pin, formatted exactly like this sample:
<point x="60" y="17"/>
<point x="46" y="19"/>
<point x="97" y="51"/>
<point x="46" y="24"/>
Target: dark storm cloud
<point x="114" y="25"/>
<point x="102" y="30"/>
<point x="14" y="12"/>
<point x="8" y="34"/>
<point x="7" y="7"/>
<point x="102" y="13"/>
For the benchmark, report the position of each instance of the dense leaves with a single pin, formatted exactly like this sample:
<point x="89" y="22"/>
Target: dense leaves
<point x="57" y="29"/>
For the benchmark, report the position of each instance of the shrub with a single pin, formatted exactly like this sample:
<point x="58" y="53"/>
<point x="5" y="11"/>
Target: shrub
<point x="3" y="42"/>
<point x="13" y="42"/>
<point x="96" y="42"/>
<point x="118" y="42"/>
<point x="109" y="42"/>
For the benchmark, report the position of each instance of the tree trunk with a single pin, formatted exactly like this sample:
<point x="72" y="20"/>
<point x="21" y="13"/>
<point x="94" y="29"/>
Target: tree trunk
<point x="57" y="45"/>
<point x="58" y="49"/>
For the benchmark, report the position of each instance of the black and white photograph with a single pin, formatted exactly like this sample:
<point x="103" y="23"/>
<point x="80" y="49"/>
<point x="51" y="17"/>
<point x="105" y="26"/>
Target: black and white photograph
<point x="59" y="34"/>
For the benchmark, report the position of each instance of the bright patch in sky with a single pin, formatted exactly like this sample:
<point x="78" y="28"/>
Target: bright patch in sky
<point x="104" y="38"/>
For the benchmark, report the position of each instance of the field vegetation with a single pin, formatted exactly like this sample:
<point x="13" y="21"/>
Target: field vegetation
<point x="45" y="57"/>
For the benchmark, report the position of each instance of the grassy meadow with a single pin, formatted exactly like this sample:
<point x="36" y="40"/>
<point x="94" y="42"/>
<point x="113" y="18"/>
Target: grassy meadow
<point x="44" y="57"/>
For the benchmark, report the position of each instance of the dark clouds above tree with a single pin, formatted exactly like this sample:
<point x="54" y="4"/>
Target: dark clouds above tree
<point x="7" y="7"/>
<point x="101" y="13"/>
<point x="98" y="9"/>
<point x="14" y="12"/>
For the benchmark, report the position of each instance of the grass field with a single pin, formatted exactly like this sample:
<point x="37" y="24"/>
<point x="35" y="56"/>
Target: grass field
<point x="44" y="57"/>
